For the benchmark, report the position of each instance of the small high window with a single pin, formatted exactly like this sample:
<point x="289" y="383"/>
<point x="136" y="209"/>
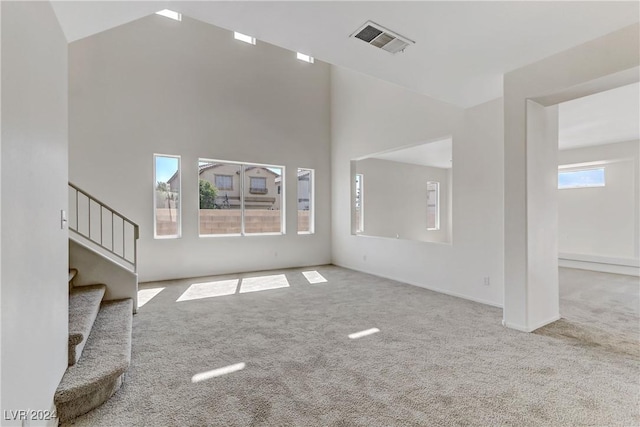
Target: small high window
<point x="244" y="38"/>
<point x="581" y="178"/>
<point x="305" y="58"/>
<point x="167" y="13"/>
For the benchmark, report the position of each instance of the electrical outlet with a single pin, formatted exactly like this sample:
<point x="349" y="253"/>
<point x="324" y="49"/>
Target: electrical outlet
<point x="487" y="281"/>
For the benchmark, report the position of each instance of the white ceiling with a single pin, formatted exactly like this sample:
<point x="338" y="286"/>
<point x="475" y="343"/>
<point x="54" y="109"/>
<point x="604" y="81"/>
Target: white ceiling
<point x="602" y="118"/>
<point x="462" y="49"/>
<point x="438" y="154"/>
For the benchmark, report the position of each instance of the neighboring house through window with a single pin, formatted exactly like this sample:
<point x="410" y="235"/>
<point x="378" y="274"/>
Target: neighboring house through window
<point x="224" y="182"/>
<point x="246" y="198"/>
<point x="258" y="185"/>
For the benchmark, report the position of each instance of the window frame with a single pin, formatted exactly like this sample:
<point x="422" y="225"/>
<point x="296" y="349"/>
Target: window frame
<point x="178" y="235"/>
<point x="312" y="204"/>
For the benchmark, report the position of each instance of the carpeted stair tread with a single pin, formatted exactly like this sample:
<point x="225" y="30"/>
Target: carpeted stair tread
<point x="106" y="357"/>
<point x="84" y="303"/>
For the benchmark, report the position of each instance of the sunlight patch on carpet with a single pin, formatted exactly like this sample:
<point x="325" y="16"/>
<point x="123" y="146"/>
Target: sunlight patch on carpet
<point x="209" y="290"/>
<point x="146" y="295"/>
<point x="364" y="333"/>
<point x="314" y="277"/>
<point x="263" y="283"/>
<point x="202" y="376"/>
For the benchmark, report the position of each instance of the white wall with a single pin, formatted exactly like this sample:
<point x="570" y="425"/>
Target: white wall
<point x="188" y="88"/>
<point x="34" y="190"/>
<point x="395" y="200"/>
<point x="602" y="221"/>
<point x="370" y="116"/>
<point x="542" y="213"/>
<point x="601" y="64"/>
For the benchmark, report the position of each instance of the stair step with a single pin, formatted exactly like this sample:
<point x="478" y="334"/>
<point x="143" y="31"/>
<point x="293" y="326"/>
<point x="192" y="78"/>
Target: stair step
<point x="84" y="303"/>
<point x="72" y="274"/>
<point x="98" y="373"/>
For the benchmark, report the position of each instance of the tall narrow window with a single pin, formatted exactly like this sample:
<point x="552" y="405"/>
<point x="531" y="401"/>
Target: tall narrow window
<point x="166" y="172"/>
<point x="433" y="205"/>
<point x="359" y="203"/>
<point x="261" y="201"/>
<point x="305" y="201"/>
<point x="220" y="206"/>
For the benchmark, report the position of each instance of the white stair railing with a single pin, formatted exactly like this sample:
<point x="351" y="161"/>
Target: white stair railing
<point x="101" y="225"/>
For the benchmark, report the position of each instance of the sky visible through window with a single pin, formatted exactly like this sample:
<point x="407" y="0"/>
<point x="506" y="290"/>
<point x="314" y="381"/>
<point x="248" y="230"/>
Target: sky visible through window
<point x="581" y="178"/>
<point x="165" y="168"/>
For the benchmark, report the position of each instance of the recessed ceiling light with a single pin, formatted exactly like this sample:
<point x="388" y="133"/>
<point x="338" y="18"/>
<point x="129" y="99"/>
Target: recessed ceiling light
<point x="305" y="58"/>
<point x="244" y="38"/>
<point x="170" y="14"/>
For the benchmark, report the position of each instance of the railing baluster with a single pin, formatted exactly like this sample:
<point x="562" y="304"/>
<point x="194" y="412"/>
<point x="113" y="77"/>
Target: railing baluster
<point x="135" y="248"/>
<point x="89" y="223"/>
<point x="124" y="222"/>
<point x="77" y="215"/>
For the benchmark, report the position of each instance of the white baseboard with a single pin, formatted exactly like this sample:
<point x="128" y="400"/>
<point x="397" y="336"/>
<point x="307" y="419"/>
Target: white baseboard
<point x="528" y="329"/>
<point x="627" y="266"/>
<point x="515" y="326"/>
<point x="422" y="285"/>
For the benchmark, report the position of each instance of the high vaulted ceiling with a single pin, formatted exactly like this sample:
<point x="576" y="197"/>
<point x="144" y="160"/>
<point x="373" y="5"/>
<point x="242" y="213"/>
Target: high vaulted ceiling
<point x="461" y="52"/>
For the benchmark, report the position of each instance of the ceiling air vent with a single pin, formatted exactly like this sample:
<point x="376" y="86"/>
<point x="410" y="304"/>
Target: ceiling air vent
<point x="378" y="36"/>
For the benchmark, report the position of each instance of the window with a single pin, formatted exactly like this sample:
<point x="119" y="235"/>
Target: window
<point x="166" y="196"/>
<point x="359" y="203"/>
<point x="238" y="199"/>
<point x="305" y="58"/>
<point x="581" y="178"/>
<point x="220" y="206"/>
<point x="244" y="38"/>
<point x="258" y="185"/>
<point x="224" y="182"/>
<point x="433" y="205"/>
<point x="170" y="14"/>
<point x="262" y="204"/>
<point x="305" y="201"/>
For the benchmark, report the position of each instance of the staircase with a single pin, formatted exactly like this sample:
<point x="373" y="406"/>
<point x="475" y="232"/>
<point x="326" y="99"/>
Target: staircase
<point x="99" y="324"/>
<point x="99" y="350"/>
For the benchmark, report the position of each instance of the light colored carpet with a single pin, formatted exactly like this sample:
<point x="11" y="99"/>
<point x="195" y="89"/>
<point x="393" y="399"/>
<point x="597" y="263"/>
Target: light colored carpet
<point x="106" y="357"/>
<point x="437" y="361"/>
<point x="84" y="303"/>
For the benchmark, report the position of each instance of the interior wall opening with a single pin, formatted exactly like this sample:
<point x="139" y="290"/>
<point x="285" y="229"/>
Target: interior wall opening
<point x="405" y="193"/>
